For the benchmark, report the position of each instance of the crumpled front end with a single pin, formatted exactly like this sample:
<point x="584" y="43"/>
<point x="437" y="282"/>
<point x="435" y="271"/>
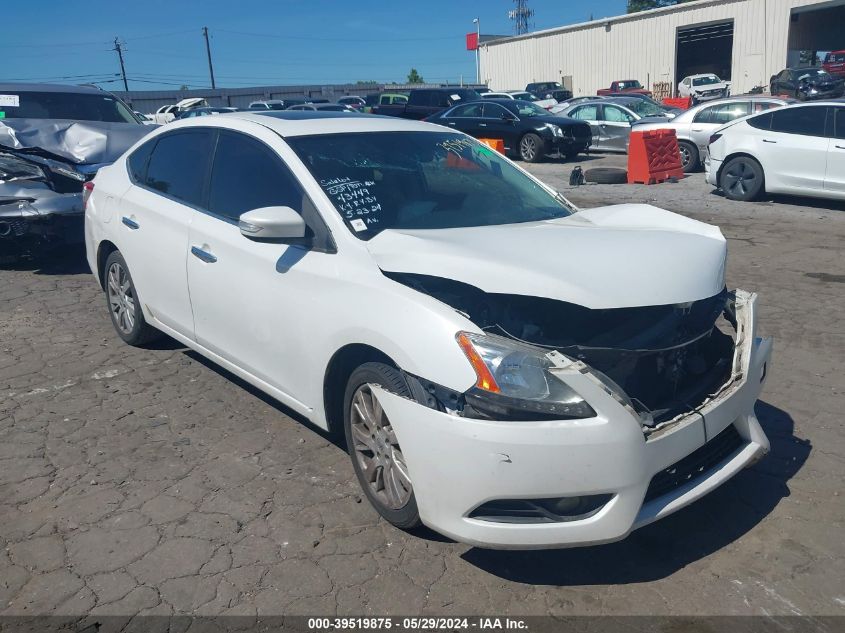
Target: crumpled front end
<point x="682" y="424"/>
<point x="40" y="204"/>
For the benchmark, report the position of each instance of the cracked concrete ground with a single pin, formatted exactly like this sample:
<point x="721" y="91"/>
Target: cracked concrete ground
<point x="149" y="482"/>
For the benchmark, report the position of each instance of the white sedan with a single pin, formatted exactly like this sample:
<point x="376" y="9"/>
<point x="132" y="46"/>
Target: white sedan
<point x="797" y="149"/>
<point x="506" y="369"/>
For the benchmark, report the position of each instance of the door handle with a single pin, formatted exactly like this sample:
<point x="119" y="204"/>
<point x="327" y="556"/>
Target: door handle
<point x="205" y="256"/>
<point x="451" y="123"/>
<point x="697" y="129"/>
<point x="765" y="140"/>
<point x="482" y="125"/>
<point x="840" y="146"/>
<point x="132" y="224"/>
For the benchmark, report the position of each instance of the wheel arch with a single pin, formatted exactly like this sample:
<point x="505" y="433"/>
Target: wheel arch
<point x="104" y="249"/>
<point x="338" y="370"/>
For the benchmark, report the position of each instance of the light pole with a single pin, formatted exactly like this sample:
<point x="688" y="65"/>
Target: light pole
<point x="477" y="23"/>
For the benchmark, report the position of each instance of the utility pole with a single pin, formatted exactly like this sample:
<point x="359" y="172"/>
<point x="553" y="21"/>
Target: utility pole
<point x="208" y="52"/>
<point x="119" y="50"/>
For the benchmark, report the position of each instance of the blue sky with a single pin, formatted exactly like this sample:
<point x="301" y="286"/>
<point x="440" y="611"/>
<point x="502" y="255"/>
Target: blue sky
<point x="255" y="43"/>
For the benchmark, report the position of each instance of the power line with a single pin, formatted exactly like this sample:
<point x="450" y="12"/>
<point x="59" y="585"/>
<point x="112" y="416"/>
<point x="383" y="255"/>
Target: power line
<point x="340" y="39"/>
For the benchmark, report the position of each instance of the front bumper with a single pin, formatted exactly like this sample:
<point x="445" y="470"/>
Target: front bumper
<point x="32" y="215"/>
<point x="457" y="464"/>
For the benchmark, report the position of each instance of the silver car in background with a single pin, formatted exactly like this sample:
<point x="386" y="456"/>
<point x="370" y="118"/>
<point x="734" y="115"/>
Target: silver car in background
<point x="694" y="127"/>
<point x="611" y="119"/>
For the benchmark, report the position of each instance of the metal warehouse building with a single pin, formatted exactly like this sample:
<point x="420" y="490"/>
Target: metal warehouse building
<point x="745" y="41"/>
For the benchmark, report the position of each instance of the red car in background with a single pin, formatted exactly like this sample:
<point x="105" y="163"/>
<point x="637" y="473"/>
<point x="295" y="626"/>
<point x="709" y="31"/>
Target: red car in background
<point x="834" y="63"/>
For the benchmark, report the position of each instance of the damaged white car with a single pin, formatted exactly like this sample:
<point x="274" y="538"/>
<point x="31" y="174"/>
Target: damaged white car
<point x="508" y="370"/>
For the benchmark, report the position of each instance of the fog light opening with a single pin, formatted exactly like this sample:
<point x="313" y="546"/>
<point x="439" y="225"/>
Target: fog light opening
<point x="549" y="510"/>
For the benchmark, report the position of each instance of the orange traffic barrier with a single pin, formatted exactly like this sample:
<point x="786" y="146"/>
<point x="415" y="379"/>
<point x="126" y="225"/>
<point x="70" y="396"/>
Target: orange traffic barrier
<point x="494" y="143"/>
<point x="682" y="102"/>
<point x="653" y="156"/>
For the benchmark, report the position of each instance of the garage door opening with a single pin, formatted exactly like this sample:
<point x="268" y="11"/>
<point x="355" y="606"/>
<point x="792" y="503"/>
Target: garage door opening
<point x="814" y="31"/>
<point x="706" y="48"/>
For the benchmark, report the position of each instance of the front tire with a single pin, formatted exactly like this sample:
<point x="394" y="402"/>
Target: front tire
<point x="373" y="447"/>
<point x="689" y="156"/>
<point x="124" y="306"/>
<point x="742" y="179"/>
<point x="531" y="148"/>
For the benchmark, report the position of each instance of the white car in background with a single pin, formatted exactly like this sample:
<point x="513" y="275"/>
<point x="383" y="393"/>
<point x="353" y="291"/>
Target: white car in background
<point x="521" y="95"/>
<point x="402" y="284"/>
<point x="167" y="113"/>
<point x="797" y="149"/>
<point x="704" y="87"/>
<point x="693" y="127"/>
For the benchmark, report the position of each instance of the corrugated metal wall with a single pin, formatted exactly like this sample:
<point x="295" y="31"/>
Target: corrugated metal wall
<point x="642" y="46"/>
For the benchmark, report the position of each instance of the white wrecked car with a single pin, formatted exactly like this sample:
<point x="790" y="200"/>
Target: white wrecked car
<point x="508" y="370"/>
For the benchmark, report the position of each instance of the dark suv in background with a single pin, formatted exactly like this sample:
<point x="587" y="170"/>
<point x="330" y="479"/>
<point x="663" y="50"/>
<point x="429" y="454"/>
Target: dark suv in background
<point x="549" y="90"/>
<point x="424" y="102"/>
<point x="807" y="83"/>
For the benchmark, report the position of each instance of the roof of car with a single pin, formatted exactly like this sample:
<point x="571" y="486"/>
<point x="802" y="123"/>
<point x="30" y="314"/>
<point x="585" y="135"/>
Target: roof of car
<point x="31" y="87"/>
<point x="288" y="123"/>
<point x="701" y="75"/>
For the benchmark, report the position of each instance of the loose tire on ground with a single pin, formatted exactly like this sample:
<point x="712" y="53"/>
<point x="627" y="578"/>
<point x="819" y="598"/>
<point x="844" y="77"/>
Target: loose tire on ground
<point x="742" y="179"/>
<point x="124" y="305"/>
<point x="375" y="452"/>
<point x="606" y="175"/>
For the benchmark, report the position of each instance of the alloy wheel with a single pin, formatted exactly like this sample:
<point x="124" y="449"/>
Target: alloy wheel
<point x="686" y="155"/>
<point x="739" y="179"/>
<point x="528" y="148"/>
<point x="377" y="450"/>
<point x="121" y="299"/>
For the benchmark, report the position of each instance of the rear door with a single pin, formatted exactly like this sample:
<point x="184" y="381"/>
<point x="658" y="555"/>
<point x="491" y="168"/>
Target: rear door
<point x="464" y="118"/>
<point x="794" y="150"/>
<point x="709" y="119"/>
<point x="155" y="215"/>
<point x="835" y="173"/>
<point x="499" y="122"/>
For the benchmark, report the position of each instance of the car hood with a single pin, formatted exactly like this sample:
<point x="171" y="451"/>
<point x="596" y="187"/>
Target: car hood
<point x="78" y="142"/>
<point x="620" y="256"/>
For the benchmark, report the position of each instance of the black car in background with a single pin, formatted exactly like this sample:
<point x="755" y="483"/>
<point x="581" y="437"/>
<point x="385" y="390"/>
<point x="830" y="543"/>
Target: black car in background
<point x="423" y="102"/>
<point x="806" y="84"/>
<point x="529" y="132"/>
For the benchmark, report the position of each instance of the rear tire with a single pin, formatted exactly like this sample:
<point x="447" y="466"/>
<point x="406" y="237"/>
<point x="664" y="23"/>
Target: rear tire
<point x="532" y="149"/>
<point x="373" y="447"/>
<point x="742" y="179"/>
<point x="689" y="156"/>
<point x="124" y="305"/>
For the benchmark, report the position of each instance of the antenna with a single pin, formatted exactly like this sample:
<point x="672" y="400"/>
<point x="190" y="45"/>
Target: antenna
<point x="520" y="16"/>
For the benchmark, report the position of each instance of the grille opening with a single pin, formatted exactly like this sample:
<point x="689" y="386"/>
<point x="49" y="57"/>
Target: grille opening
<point x="696" y="464"/>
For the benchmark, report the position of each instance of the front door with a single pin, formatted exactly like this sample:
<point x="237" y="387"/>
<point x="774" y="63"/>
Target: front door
<point x="251" y="298"/>
<point x="589" y="113"/>
<point x="616" y="127"/>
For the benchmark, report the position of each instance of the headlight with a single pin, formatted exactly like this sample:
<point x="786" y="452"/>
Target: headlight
<point x="515" y="382"/>
<point x="555" y="129"/>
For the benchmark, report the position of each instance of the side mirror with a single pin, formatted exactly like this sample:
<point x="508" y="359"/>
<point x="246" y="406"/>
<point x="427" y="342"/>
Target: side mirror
<point x="272" y="223"/>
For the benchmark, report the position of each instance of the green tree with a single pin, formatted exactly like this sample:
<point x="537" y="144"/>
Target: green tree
<point x="644" y="5"/>
<point x="183" y="87"/>
<point x="414" y="77"/>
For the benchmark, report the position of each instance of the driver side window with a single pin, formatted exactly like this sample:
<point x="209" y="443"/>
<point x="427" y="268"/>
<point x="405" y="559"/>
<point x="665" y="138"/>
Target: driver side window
<point x="616" y="115"/>
<point x="247" y="175"/>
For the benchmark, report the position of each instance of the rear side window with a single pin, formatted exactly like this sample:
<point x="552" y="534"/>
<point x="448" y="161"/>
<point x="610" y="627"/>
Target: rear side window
<point x="762" y="122"/>
<point x="586" y="113"/>
<point x="807" y="120"/>
<point x="468" y="110"/>
<point x="179" y="164"/>
<point x="137" y="161"/>
<point x="248" y="175"/>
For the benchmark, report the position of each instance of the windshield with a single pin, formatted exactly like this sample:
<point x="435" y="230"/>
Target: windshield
<point x="525" y="109"/>
<point x="813" y="72"/>
<point x="706" y="81"/>
<point x="65" y="105"/>
<point x="421" y="180"/>
<point x="525" y="96"/>
<point x="645" y="108"/>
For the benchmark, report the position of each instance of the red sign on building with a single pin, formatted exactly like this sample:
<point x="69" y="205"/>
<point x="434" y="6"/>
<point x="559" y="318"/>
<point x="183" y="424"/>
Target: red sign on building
<point x="472" y="41"/>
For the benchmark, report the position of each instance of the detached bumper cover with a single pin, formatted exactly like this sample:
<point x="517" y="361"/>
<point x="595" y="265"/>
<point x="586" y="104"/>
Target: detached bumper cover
<point x="456" y="463"/>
